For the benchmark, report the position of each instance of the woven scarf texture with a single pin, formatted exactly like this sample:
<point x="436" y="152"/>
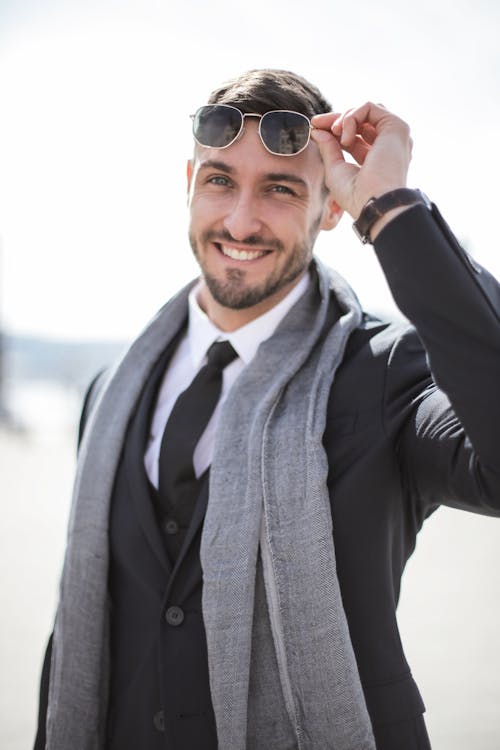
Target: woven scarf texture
<point x="282" y="668"/>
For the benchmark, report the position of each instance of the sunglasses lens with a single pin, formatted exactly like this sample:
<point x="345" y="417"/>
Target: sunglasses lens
<point x="216" y="125"/>
<point x="285" y="132"/>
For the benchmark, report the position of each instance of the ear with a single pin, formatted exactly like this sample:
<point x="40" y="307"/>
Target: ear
<point x="332" y="213"/>
<point x="189" y="173"/>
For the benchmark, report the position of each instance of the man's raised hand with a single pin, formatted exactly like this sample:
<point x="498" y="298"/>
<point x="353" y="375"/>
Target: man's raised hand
<point x="380" y="144"/>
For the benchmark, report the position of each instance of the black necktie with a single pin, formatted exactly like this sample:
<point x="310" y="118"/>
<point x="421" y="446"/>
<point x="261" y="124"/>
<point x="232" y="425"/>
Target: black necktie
<point x="185" y="426"/>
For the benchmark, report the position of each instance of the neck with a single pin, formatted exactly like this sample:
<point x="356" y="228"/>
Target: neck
<point x="228" y="319"/>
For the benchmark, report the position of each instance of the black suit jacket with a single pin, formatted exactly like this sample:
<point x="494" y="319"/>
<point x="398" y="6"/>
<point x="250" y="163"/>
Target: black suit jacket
<point x="413" y="422"/>
<point x="398" y="446"/>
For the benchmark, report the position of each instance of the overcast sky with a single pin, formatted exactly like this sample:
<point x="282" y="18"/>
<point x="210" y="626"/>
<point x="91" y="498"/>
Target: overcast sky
<point x="95" y="100"/>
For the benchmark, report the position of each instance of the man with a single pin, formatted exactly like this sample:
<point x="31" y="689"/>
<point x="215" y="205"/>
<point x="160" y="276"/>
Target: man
<point x="233" y="568"/>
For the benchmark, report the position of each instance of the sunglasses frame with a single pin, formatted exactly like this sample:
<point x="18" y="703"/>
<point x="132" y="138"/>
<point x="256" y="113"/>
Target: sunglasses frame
<point x="242" y="126"/>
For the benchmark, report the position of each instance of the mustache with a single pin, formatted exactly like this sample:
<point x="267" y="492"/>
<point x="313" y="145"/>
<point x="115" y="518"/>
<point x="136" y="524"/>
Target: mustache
<point x="252" y="240"/>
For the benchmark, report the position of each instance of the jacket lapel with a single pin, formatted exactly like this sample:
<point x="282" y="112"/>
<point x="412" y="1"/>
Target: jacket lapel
<point x="137" y="479"/>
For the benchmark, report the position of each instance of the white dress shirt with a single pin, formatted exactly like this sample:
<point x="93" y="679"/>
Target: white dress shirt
<point x="190" y="356"/>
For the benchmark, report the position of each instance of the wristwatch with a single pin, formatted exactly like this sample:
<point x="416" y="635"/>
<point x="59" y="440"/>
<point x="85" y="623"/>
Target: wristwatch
<point x="377" y="207"/>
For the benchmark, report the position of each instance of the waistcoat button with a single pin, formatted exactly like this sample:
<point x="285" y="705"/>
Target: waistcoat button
<point x="174" y="616"/>
<point x="170" y="526"/>
<point x="159" y="721"/>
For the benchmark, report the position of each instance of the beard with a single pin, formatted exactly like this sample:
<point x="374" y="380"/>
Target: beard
<point x="233" y="291"/>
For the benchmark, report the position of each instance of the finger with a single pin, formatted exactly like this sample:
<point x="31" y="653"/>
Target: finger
<point x="353" y="121"/>
<point x="349" y="140"/>
<point x="368" y="133"/>
<point x="376" y="116"/>
<point x="329" y="147"/>
<point x="338" y="125"/>
<point x="368" y="112"/>
<point x="350" y="129"/>
<point x="325" y="120"/>
<point x="359" y="150"/>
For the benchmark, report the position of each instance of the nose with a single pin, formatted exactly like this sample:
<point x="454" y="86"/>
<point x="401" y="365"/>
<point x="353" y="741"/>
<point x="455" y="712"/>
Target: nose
<point x="242" y="219"/>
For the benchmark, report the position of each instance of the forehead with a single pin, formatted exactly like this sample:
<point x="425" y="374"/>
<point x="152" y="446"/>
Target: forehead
<point x="248" y="156"/>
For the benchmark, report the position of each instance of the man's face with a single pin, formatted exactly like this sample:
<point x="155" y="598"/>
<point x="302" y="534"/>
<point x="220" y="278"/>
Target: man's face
<point x="254" y="217"/>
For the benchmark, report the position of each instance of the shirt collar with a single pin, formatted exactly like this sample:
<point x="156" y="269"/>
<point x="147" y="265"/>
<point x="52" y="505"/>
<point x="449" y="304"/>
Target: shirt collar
<point x="246" y="340"/>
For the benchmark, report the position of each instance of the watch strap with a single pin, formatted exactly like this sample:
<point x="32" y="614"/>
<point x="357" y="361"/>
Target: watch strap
<point x="375" y="208"/>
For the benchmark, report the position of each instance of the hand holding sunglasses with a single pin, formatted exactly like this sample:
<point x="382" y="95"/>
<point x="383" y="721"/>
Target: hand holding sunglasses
<point x="380" y="144"/>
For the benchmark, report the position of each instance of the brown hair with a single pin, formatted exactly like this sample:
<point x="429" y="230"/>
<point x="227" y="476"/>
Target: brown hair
<point x="263" y="90"/>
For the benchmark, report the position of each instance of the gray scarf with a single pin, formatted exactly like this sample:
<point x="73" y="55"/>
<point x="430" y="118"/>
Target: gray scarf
<point x="282" y="669"/>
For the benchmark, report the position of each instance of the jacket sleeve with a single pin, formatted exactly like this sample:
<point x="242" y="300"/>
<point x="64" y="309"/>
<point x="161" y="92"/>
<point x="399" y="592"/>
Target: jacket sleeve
<point x="40" y="738"/>
<point x="43" y="699"/>
<point x="448" y="446"/>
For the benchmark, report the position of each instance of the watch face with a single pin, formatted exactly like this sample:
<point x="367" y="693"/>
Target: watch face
<point x="369" y="214"/>
<point x="361" y="237"/>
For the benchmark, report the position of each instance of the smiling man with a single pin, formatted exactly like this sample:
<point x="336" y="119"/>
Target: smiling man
<point x="253" y="473"/>
<point x="254" y="220"/>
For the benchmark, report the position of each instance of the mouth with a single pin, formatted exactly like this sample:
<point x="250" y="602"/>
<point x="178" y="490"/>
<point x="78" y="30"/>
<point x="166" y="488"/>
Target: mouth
<point x="229" y="251"/>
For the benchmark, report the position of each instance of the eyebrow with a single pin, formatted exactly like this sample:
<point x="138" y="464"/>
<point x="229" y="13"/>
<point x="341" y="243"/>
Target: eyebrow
<point x="286" y="177"/>
<point x="215" y="164"/>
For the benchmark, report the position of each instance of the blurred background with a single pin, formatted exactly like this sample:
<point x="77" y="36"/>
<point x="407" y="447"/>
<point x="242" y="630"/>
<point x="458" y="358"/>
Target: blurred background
<point x="95" y="97"/>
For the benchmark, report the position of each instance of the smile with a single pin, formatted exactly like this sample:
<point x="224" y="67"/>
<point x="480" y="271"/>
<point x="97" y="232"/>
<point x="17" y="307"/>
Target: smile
<point x="232" y="252"/>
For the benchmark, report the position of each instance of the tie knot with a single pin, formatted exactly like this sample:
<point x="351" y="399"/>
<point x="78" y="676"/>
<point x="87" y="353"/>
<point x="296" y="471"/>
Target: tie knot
<point x="220" y="354"/>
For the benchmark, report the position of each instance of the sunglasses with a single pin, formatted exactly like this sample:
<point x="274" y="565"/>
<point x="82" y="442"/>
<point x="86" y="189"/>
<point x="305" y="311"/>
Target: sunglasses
<point x="282" y="132"/>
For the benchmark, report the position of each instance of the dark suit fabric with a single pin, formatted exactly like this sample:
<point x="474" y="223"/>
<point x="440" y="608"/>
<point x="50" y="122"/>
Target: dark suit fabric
<point x="397" y="448"/>
<point x="160" y="696"/>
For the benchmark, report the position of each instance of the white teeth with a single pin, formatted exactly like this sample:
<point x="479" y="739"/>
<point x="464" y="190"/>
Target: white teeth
<point x="231" y="252"/>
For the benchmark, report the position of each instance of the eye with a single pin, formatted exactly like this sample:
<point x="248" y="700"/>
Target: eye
<point x="283" y="189"/>
<point x="219" y="179"/>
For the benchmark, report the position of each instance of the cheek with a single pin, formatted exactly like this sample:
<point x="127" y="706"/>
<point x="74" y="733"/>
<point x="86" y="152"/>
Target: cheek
<point x="204" y="207"/>
<point x="283" y="219"/>
<point x="199" y="213"/>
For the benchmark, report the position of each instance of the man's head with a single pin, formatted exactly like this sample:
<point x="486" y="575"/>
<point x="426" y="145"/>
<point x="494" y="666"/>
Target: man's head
<point x="255" y="215"/>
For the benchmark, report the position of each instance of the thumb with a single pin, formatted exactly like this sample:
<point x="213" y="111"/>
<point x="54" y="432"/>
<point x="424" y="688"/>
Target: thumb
<point x="339" y="174"/>
<point x="329" y="147"/>
<point x="337" y="171"/>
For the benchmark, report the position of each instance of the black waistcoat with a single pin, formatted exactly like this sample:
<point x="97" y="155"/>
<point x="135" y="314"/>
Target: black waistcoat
<point x="159" y="696"/>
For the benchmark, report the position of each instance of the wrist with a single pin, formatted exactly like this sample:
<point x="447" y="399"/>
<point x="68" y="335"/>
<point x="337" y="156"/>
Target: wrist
<point x="381" y="210"/>
<point x="382" y="222"/>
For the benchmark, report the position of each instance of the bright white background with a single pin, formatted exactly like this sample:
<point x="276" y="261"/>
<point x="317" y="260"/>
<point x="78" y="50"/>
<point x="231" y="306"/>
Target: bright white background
<point x="94" y="136"/>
